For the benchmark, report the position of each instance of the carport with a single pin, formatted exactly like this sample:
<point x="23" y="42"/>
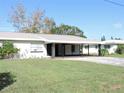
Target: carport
<point x="67" y="45"/>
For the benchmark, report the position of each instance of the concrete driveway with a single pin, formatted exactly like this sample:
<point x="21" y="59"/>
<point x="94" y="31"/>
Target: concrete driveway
<point x="102" y="60"/>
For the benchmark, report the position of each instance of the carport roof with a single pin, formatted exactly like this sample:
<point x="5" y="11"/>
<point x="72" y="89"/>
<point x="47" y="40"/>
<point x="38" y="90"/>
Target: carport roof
<point x="67" y="39"/>
<point x="48" y="38"/>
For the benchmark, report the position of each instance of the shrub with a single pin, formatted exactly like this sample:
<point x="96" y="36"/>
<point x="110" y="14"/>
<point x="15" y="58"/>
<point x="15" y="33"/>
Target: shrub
<point x="7" y="49"/>
<point x="120" y="49"/>
<point x="6" y="79"/>
<point x="104" y="52"/>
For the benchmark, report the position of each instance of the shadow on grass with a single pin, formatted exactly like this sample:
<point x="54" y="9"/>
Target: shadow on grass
<point x="6" y="79"/>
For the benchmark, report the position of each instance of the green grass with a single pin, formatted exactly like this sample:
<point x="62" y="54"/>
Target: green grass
<point x="54" y="76"/>
<point x="116" y="55"/>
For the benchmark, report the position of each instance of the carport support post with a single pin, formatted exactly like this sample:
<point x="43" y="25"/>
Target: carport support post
<point x="79" y="49"/>
<point x="82" y="47"/>
<point x="53" y="50"/>
<point x="99" y="50"/>
<point x="88" y="50"/>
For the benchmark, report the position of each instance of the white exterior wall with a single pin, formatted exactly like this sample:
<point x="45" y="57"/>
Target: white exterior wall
<point x="112" y="49"/>
<point x="93" y="49"/>
<point x="26" y="50"/>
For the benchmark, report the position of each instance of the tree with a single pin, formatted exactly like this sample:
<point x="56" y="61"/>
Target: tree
<point x="49" y="24"/>
<point x="36" y="23"/>
<point x="18" y="17"/>
<point x="117" y="38"/>
<point x="68" y="30"/>
<point x="104" y="52"/>
<point x="7" y="49"/>
<point x="39" y="23"/>
<point x="103" y="38"/>
<point x="112" y="38"/>
<point x="120" y="49"/>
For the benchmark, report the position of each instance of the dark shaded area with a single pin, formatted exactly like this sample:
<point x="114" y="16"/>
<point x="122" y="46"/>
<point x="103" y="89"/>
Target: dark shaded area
<point x="49" y="49"/>
<point x="6" y="79"/>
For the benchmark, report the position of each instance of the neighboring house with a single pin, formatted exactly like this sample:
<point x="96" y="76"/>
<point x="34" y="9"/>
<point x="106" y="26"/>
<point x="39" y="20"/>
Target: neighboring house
<point x="49" y="45"/>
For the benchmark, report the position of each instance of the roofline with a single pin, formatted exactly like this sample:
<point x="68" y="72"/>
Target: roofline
<point x="73" y="42"/>
<point x="67" y="42"/>
<point x="113" y="42"/>
<point x="21" y="39"/>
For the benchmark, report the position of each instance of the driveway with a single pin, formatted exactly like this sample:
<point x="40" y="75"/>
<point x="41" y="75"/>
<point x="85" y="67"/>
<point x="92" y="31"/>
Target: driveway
<point x="102" y="60"/>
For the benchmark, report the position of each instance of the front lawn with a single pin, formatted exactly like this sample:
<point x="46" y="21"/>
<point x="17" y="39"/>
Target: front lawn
<point x="116" y="55"/>
<point x="54" y="76"/>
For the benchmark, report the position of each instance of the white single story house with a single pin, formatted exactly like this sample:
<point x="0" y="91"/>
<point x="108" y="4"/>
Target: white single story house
<point x="49" y="45"/>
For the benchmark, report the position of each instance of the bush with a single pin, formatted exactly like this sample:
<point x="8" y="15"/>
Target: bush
<point x="6" y="79"/>
<point x="120" y="49"/>
<point x="104" y="52"/>
<point x="7" y="49"/>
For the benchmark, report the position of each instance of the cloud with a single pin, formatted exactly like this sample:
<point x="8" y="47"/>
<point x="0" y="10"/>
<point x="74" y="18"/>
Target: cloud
<point x="118" y="25"/>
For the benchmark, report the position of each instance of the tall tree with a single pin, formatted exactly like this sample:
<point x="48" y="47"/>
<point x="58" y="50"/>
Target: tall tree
<point x="117" y="38"/>
<point x="18" y="17"/>
<point x="103" y="38"/>
<point x="36" y="23"/>
<point x="49" y="24"/>
<point x="112" y="38"/>
<point x="68" y="30"/>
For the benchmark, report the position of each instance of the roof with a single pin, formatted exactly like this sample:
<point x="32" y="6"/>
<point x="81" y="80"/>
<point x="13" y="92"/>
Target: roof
<point x="48" y="38"/>
<point x="113" y="42"/>
<point x="53" y="38"/>
<point x="19" y="36"/>
<point x="67" y="39"/>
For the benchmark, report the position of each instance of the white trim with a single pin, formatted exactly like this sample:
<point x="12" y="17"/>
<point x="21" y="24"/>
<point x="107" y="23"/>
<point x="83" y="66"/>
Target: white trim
<point x="113" y="42"/>
<point x="25" y="39"/>
<point x="74" y="42"/>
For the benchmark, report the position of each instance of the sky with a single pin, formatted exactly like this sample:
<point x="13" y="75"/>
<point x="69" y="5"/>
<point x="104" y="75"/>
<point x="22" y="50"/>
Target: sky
<point x="95" y="17"/>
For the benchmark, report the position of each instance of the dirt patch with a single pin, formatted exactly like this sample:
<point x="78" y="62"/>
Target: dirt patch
<point x="116" y="86"/>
